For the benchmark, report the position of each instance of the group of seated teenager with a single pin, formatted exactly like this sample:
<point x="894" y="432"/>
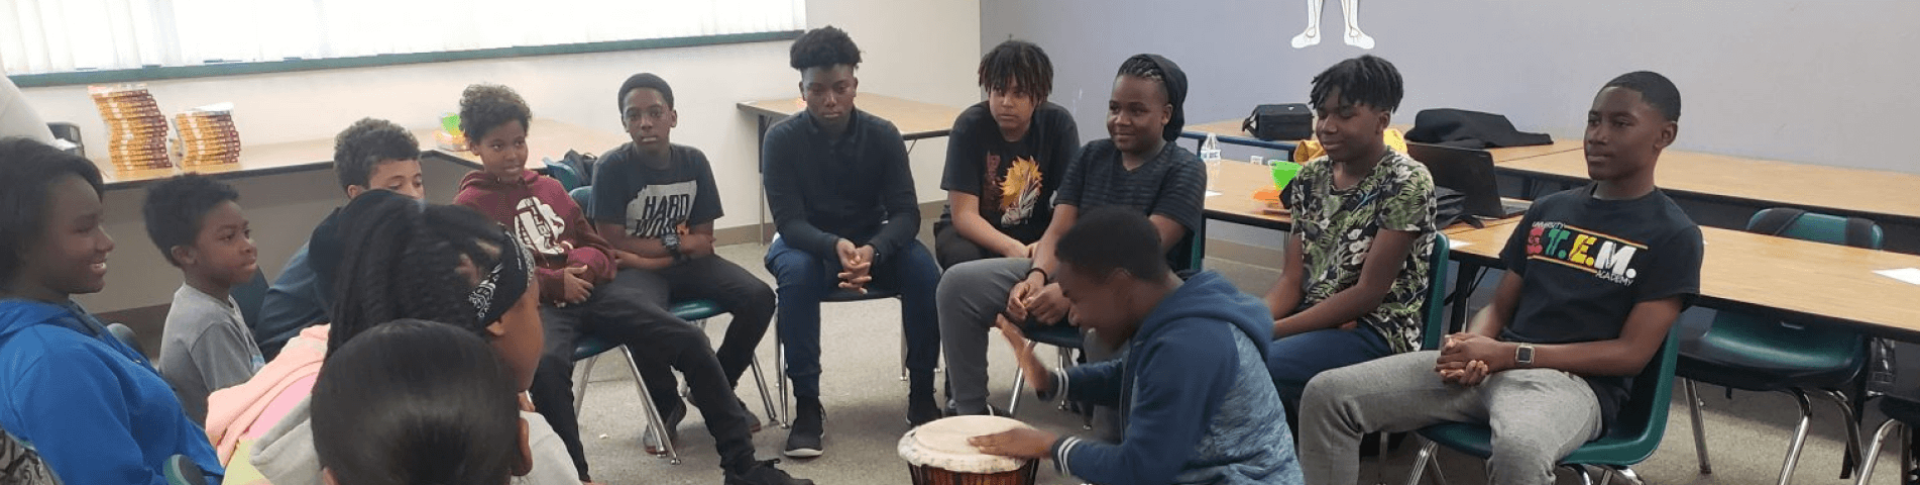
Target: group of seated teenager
<point x="409" y="342"/>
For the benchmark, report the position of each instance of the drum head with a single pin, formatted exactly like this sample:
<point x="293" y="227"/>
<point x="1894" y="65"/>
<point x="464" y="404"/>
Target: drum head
<point x="943" y="444"/>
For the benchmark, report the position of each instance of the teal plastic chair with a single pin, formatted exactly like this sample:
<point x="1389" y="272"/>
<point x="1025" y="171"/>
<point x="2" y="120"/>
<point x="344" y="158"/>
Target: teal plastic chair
<point x="583" y="197"/>
<point x="1902" y="412"/>
<point x="181" y="470"/>
<point x="589" y="348"/>
<point x="1634" y="436"/>
<point x="1751" y="353"/>
<point x="1438" y="263"/>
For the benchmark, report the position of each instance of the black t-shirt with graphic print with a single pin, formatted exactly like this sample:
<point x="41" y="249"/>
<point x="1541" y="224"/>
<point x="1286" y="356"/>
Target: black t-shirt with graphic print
<point x="649" y="203"/>
<point x="1586" y="262"/>
<point x="979" y="161"/>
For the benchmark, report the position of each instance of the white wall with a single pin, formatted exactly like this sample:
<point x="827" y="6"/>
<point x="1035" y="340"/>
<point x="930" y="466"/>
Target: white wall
<point x="1822" y="82"/>
<point x="1818" y="82"/>
<point x="924" y="50"/>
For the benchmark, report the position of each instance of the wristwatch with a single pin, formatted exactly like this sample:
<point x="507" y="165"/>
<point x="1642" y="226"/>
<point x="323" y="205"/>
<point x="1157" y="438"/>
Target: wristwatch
<point x="1523" y="356"/>
<point x="672" y="241"/>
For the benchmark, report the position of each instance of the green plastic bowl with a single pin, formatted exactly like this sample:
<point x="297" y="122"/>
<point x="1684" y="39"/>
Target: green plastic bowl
<point x="1283" y="173"/>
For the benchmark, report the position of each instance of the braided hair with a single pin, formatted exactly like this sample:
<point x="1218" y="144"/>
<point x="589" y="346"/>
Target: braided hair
<point x="1019" y="62"/>
<point x="403" y="259"/>
<point x="1364" y="80"/>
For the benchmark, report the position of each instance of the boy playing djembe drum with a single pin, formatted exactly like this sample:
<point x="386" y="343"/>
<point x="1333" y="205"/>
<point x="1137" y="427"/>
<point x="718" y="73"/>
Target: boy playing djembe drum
<point x="1196" y="402"/>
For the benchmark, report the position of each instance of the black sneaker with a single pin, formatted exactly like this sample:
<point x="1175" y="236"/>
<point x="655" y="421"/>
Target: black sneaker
<point x="922" y="410"/>
<point x="674" y="417"/>
<point x="763" y="473"/>
<point x="803" y="440"/>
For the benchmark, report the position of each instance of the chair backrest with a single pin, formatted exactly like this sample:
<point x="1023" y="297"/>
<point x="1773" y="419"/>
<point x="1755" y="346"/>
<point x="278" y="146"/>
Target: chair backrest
<point x="126" y="335"/>
<point x="568" y="177"/>
<point x="1817" y="339"/>
<point x="1644" y="417"/>
<point x="1436" y="304"/>
<point x="251" y="296"/>
<point x="1193" y="253"/>
<point x="583" y="197"/>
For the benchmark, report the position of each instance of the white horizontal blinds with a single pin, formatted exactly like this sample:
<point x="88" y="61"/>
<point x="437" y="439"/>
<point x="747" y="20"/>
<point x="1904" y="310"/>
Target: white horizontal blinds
<point x="42" y="36"/>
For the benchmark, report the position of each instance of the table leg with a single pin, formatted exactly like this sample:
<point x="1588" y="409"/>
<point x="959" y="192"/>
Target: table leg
<point x="1463" y="286"/>
<point x="761" y="165"/>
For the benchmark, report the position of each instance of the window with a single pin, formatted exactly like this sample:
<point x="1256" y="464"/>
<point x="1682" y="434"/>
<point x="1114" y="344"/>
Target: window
<point x="51" y="36"/>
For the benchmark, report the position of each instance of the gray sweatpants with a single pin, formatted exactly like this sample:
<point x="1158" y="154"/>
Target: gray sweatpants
<point x="971" y="294"/>
<point x="1538" y="415"/>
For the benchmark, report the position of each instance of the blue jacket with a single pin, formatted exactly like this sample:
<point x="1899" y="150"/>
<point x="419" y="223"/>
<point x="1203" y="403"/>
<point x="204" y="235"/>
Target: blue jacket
<point x="95" y="409"/>
<point x="1194" y="394"/>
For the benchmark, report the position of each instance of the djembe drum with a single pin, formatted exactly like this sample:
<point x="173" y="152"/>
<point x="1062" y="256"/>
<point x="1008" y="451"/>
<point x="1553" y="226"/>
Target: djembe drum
<point x="937" y="453"/>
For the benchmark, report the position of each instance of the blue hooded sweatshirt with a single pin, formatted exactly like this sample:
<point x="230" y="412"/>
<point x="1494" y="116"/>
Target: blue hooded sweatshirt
<point x="1194" y="396"/>
<point x="95" y="409"/>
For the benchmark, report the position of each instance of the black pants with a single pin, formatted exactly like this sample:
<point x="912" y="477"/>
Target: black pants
<point x="633" y="310"/>
<point x="950" y="248"/>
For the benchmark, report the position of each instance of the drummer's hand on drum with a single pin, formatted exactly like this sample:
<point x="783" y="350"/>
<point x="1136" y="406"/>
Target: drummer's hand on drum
<point x="1041" y="380"/>
<point x="1022" y="442"/>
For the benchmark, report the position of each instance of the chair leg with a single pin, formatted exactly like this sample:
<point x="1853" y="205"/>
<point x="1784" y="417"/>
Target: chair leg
<point x="1699" y="427"/>
<point x="1630" y="475"/>
<point x="580" y="385"/>
<point x="1064" y="361"/>
<point x="903" y="356"/>
<point x="1873" y="450"/>
<point x="1799" y="437"/>
<point x="1433" y="468"/>
<point x="654" y="420"/>
<point x="780" y="358"/>
<point x="1420" y="462"/>
<point x="1019" y="382"/>
<point x="766" y="399"/>
<point x="1852" y="459"/>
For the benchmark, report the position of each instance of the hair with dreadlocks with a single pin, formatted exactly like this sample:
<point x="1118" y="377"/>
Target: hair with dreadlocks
<point x="1017" y="62"/>
<point x="402" y="261"/>
<point x="1364" y="80"/>
<point x="1656" y="90"/>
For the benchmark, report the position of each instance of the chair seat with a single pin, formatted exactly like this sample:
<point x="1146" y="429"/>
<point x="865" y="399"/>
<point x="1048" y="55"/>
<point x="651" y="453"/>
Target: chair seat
<point x="696" y="310"/>
<point x="1752" y="366"/>
<point x="843" y="296"/>
<point x="1617" y="447"/>
<point x="1067" y="336"/>
<point x="592" y="345"/>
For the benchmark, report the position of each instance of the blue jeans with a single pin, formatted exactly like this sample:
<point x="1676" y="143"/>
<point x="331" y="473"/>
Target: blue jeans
<point x="1295" y="359"/>
<point x="804" y="279"/>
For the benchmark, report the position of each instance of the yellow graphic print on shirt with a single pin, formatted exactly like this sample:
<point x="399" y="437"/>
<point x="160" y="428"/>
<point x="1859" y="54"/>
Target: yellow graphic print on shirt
<point x="1019" y="191"/>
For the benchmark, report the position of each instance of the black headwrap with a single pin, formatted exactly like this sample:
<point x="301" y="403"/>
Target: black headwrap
<point x="504" y="285"/>
<point x="1175" y="80"/>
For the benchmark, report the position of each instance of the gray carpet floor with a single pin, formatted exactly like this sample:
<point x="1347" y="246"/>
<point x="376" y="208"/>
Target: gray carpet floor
<point x="866" y="407"/>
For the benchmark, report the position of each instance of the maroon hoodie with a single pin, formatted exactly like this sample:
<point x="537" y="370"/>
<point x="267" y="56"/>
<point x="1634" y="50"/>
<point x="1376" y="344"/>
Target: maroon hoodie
<point x="538" y="210"/>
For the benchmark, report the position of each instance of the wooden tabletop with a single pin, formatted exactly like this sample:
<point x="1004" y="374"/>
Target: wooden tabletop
<point x="1867" y="193"/>
<point x="915" y="119"/>
<point x="1230" y="132"/>
<point x="1236" y="184"/>
<point x="1800" y="280"/>
<point x="546" y="138"/>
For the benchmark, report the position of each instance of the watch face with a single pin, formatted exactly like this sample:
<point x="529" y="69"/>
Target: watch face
<point x="1524" y="355"/>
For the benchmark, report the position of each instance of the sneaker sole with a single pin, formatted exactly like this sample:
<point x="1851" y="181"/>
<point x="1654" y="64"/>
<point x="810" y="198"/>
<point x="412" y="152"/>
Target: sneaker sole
<point x="804" y="453"/>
